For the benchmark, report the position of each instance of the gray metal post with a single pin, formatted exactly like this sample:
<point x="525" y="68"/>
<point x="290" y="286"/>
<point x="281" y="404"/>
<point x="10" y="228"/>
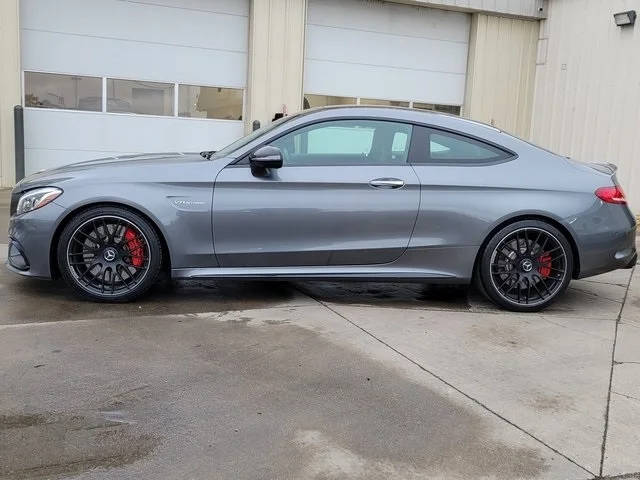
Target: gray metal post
<point x="18" y="129"/>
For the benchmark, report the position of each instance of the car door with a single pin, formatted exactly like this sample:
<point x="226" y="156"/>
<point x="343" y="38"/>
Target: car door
<point x="345" y="195"/>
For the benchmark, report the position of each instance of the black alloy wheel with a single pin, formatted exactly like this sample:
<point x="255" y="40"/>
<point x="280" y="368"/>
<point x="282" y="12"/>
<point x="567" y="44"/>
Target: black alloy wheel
<point x="526" y="266"/>
<point x="109" y="254"/>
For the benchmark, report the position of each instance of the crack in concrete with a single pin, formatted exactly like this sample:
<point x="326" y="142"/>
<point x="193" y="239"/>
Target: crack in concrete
<point x="603" y="283"/>
<point x="450" y="385"/>
<point x="618" y="477"/>
<point x="613" y="359"/>
<point x="546" y="319"/>
<point x="601" y="297"/>
<point x="630" y="397"/>
<point x="627" y="324"/>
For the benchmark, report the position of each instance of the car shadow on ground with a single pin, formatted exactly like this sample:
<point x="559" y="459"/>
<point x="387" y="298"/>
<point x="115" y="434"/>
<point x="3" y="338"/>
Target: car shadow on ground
<point x="32" y="300"/>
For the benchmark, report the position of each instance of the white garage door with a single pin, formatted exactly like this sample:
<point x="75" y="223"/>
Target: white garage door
<point x="108" y="77"/>
<point x="364" y="51"/>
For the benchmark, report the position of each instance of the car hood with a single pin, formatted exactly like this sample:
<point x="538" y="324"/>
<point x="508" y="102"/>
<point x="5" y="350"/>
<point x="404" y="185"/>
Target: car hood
<point x="155" y="161"/>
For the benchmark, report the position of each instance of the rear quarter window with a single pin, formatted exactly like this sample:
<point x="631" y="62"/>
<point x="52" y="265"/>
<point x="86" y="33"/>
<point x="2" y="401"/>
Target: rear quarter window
<point x="447" y="148"/>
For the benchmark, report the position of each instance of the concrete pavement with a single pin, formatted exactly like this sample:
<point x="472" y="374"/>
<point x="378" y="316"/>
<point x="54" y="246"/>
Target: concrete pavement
<point x="318" y="381"/>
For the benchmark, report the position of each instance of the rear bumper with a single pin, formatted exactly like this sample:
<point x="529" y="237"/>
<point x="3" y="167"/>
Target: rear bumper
<point x="633" y="261"/>
<point x="609" y="246"/>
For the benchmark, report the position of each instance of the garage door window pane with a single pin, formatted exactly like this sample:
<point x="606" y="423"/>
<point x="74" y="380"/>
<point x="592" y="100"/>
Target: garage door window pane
<point x="451" y="109"/>
<point x="424" y="106"/>
<point x="210" y="102"/>
<point x="385" y="103"/>
<point x="311" y="101"/>
<point x="71" y="92"/>
<point x="348" y="142"/>
<point x="133" y="96"/>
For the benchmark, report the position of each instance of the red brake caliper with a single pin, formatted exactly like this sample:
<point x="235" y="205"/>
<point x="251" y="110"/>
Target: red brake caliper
<point x="545" y="265"/>
<point x="134" y="244"/>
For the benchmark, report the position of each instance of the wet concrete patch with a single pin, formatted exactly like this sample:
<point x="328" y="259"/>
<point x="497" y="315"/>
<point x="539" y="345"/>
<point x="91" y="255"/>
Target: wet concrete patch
<point x="56" y="445"/>
<point x="26" y="300"/>
<point x="390" y="427"/>
<point x="215" y="390"/>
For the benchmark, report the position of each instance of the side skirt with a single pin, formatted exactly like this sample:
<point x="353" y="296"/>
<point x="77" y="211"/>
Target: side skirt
<point x="353" y="273"/>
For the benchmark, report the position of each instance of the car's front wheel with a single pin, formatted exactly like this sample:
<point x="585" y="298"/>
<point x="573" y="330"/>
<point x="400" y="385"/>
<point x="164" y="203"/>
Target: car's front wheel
<point x="109" y="254"/>
<point x="526" y="266"/>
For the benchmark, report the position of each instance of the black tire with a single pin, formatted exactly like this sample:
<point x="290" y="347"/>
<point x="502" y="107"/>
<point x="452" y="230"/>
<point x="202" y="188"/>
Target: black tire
<point x="526" y="266"/>
<point x="131" y="240"/>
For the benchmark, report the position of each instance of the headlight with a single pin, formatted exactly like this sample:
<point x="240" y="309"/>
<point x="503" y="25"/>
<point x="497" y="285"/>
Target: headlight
<point x="37" y="198"/>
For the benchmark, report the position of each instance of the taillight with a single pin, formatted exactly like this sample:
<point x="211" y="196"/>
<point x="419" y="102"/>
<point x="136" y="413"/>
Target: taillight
<point x="611" y="195"/>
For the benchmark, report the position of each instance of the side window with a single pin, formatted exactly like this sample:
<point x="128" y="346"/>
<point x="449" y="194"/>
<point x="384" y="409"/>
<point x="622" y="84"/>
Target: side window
<point x="346" y="142"/>
<point x="445" y="147"/>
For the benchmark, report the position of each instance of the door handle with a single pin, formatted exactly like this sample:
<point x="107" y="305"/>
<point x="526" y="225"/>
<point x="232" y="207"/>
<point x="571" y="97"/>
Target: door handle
<point x="386" y="183"/>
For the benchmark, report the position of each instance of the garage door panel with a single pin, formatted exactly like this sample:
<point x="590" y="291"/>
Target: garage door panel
<point x="352" y="80"/>
<point x="53" y="52"/>
<point x="380" y="50"/>
<point x="97" y="132"/>
<point x="189" y="42"/>
<point x="54" y="137"/>
<point x="138" y="22"/>
<point x="390" y="18"/>
<point x="229" y="6"/>
<point x="326" y="43"/>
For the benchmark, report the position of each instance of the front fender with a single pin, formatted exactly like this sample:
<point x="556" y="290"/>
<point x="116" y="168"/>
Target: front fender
<point x="181" y="213"/>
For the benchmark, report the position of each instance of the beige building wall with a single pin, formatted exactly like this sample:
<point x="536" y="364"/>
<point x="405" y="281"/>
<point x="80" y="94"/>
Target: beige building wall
<point x="587" y="97"/>
<point x="276" y="58"/>
<point x="501" y="72"/>
<point x="10" y="87"/>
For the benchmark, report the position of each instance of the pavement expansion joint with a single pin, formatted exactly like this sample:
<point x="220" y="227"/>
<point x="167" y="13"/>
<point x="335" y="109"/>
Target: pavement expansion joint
<point x="613" y="360"/>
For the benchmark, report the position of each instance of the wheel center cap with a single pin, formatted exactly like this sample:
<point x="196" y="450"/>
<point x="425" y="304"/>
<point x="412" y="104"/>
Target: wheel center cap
<point x="526" y="265"/>
<point x="109" y="254"/>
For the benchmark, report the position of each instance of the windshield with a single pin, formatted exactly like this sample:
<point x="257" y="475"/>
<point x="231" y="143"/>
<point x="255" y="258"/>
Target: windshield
<point x="241" y="142"/>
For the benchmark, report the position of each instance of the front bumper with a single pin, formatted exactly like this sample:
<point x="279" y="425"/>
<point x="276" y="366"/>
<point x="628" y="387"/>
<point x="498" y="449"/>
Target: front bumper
<point x="30" y="238"/>
<point x="16" y="258"/>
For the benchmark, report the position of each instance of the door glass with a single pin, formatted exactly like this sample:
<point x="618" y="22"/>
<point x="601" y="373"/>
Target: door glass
<point x="340" y="139"/>
<point x="346" y="142"/>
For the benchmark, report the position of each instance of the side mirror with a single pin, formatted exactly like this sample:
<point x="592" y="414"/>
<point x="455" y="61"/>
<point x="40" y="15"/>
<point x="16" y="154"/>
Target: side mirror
<point x="266" y="157"/>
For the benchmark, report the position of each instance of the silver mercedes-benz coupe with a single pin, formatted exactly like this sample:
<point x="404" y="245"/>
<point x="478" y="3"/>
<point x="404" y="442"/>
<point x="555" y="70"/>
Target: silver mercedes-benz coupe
<point x="341" y="193"/>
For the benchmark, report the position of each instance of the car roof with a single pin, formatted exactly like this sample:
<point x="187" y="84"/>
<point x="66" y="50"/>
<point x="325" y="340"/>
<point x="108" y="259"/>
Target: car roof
<point x="438" y="119"/>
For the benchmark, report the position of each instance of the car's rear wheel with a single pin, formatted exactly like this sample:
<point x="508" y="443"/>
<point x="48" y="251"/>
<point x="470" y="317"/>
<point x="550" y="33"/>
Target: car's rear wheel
<point x="109" y="254"/>
<point x="526" y="266"/>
